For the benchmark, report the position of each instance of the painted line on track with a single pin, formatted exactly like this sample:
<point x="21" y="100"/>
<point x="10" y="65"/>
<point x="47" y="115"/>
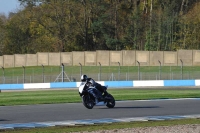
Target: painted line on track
<point x="167" y="99"/>
<point x="94" y="121"/>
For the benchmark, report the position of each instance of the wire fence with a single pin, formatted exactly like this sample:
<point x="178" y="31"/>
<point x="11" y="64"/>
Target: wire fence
<point x="125" y="76"/>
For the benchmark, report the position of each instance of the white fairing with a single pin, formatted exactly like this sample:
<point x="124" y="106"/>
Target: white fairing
<point x="81" y="87"/>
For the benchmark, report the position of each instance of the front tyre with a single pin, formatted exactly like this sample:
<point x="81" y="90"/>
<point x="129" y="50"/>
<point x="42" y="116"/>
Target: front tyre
<point x="87" y="102"/>
<point x="110" y="101"/>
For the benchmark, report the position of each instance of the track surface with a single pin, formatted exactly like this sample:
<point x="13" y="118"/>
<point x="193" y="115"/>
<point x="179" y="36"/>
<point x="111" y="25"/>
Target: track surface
<point x="76" y="111"/>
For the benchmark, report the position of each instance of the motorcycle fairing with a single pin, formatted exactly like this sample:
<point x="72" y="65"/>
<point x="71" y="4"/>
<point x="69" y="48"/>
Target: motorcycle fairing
<point x="81" y="87"/>
<point x="94" y="92"/>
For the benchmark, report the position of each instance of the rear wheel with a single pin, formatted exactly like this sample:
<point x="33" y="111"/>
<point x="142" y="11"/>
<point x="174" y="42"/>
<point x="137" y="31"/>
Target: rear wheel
<point x="110" y="101"/>
<point x="87" y="102"/>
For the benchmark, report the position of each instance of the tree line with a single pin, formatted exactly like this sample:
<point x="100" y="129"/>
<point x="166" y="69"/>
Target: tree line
<point x="88" y="25"/>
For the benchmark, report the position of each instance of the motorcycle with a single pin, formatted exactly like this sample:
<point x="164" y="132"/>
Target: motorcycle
<point x="86" y="92"/>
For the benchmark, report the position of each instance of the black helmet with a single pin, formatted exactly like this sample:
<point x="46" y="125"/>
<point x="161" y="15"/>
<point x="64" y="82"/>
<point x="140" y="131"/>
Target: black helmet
<point x="83" y="78"/>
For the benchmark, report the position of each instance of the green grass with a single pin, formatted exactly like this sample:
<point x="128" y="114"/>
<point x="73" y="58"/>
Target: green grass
<point x="72" y="96"/>
<point x="81" y="128"/>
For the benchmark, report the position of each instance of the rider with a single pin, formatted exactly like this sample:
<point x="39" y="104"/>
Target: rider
<point x="98" y="86"/>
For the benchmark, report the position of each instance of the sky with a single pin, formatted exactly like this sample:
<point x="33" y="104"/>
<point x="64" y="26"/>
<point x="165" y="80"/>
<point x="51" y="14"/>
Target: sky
<point x="7" y="6"/>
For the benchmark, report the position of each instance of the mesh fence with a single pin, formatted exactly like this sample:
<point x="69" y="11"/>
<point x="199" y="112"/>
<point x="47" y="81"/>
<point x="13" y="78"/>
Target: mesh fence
<point x="64" y="77"/>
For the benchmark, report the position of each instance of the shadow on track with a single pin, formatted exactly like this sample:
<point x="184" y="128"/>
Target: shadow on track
<point x="3" y="120"/>
<point x="137" y="107"/>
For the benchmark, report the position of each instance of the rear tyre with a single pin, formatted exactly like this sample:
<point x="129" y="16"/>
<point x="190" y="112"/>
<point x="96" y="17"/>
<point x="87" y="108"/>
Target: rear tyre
<point x="87" y="102"/>
<point x="110" y="101"/>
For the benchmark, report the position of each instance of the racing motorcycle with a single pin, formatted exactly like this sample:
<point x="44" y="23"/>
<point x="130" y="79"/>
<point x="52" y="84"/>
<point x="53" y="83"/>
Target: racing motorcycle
<point x="87" y="91"/>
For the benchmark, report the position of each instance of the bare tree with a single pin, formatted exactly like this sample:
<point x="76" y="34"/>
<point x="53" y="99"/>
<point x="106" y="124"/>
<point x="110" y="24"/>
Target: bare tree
<point x="182" y="4"/>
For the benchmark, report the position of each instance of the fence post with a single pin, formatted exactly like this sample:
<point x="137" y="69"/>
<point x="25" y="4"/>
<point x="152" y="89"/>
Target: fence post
<point x="138" y="70"/>
<point x="119" y="72"/>
<point x="159" y="70"/>
<point x="3" y="74"/>
<point x="99" y="71"/>
<point x="42" y="73"/>
<point x="80" y="69"/>
<point x="23" y="74"/>
<point x="63" y="72"/>
<point x="181" y="69"/>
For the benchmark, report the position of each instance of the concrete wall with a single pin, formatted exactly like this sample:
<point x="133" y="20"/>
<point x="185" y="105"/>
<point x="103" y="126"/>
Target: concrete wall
<point x="43" y="59"/>
<point x="128" y="57"/>
<point x="105" y="58"/>
<point x="186" y="57"/>
<point x="156" y="58"/>
<point x="8" y="61"/>
<point x="196" y="57"/>
<point x="170" y="58"/>
<point x="20" y="60"/>
<point x="31" y="60"/>
<point x="54" y="59"/>
<point x="78" y="57"/>
<point x="90" y="58"/>
<point x="143" y="57"/>
<point x="115" y="58"/>
<point x="66" y="58"/>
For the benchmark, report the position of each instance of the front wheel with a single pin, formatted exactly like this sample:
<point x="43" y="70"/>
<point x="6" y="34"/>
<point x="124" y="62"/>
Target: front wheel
<point x="110" y="101"/>
<point x="87" y="102"/>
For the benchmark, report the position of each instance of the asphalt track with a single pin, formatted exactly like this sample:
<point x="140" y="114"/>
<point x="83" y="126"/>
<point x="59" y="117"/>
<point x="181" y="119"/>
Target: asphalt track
<point x="76" y="111"/>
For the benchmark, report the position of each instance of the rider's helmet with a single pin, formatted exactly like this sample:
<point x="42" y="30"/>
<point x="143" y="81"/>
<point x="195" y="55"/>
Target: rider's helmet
<point x="83" y="78"/>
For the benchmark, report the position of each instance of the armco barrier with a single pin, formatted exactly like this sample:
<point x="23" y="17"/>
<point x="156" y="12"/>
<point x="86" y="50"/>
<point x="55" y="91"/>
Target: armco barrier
<point x="112" y="84"/>
<point x="179" y="83"/>
<point x="11" y="86"/>
<point x="63" y="85"/>
<point x="119" y="83"/>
